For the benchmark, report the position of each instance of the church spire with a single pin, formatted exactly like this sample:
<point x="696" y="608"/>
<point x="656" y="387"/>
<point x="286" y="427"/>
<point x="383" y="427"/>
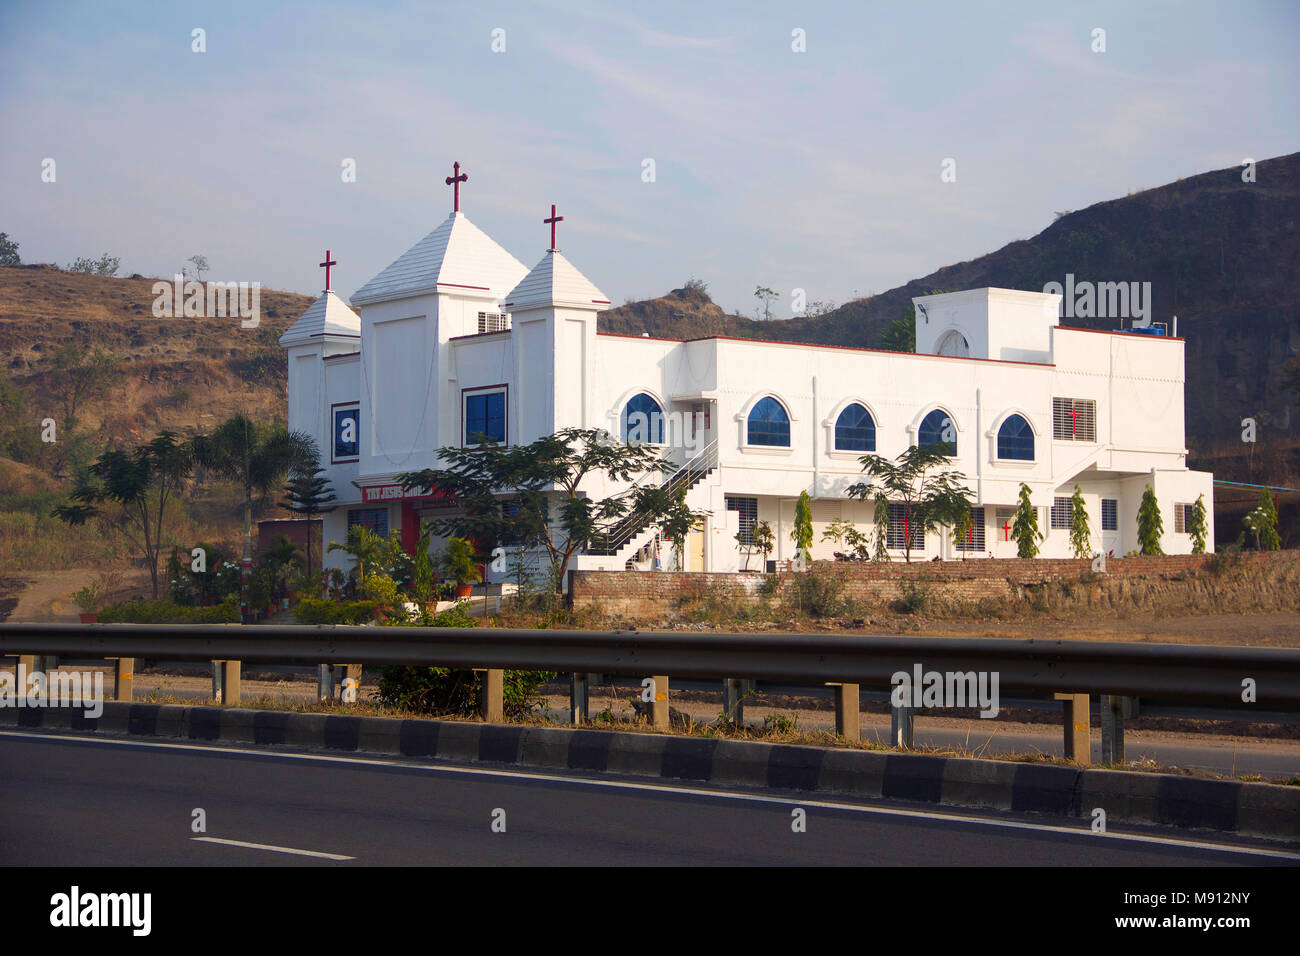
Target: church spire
<point x="455" y="180"/>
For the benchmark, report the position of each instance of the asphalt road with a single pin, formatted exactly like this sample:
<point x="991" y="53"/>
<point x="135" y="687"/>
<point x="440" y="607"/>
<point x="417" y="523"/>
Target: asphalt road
<point x="79" y="802"/>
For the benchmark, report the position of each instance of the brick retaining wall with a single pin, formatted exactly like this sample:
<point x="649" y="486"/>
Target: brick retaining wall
<point x="659" y="594"/>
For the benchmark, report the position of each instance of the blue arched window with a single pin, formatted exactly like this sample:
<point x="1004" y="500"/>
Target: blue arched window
<point x="938" y="428"/>
<point x="769" y="424"/>
<point x="855" y="430"/>
<point x="1016" y="439"/>
<point x="643" y="420"/>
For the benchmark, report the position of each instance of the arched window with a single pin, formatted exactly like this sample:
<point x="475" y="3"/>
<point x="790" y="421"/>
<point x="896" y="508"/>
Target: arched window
<point x="643" y="420"/>
<point x="1016" y="439"/>
<point x="854" y="430"/>
<point x="953" y="343"/>
<point x="769" y="424"/>
<point x="938" y="428"/>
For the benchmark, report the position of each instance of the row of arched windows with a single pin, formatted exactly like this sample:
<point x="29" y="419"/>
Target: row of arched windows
<point x="855" y="430"/>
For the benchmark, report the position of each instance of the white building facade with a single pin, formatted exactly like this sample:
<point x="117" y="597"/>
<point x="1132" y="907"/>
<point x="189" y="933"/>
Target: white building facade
<point x="458" y="339"/>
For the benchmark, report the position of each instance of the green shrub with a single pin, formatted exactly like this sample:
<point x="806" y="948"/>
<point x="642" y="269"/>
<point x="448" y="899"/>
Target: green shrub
<point x="444" y="690"/>
<point x="821" y="593"/>
<point x="165" y="612"/>
<point x="914" y="600"/>
<point x="320" y="611"/>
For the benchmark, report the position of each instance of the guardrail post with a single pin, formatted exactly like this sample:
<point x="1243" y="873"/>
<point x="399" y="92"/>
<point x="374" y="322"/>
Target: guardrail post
<point x="216" y="682"/>
<point x="1078" y="728"/>
<point x="733" y="700"/>
<point x="848" y="711"/>
<point x="123" y="678"/>
<point x="579" y="709"/>
<point x="352" y="672"/>
<point x="902" y="727"/>
<point x="1112" y="729"/>
<point x="659" y="708"/>
<point x="230" y="683"/>
<point x="325" y="682"/>
<point x="493" y="696"/>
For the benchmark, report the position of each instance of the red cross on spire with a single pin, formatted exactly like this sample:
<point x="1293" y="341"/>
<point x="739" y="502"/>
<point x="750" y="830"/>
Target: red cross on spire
<point x="456" y="179"/>
<point x="553" y="220"/>
<point x="326" y="266"/>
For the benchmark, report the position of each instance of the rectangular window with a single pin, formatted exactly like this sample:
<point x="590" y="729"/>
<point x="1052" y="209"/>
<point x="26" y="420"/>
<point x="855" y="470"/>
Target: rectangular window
<point x="376" y="519"/>
<point x="974" y="540"/>
<point x="1109" y="514"/>
<point x="1182" y="517"/>
<point x="748" y="508"/>
<point x="1074" y="419"/>
<point x="894" y="536"/>
<point x="1062" y="511"/>
<point x="493" y="322"/>
<point x="1006" y="519"/>
<point x="485" y="416"/>
<point x="347" y="427"/>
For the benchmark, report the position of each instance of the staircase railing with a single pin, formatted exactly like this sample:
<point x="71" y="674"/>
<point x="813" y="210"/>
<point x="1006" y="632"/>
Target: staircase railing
<point x="685" y="477"/>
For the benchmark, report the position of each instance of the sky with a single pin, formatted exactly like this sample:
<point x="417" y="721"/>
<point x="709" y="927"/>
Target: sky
<point x="819" y="169"/>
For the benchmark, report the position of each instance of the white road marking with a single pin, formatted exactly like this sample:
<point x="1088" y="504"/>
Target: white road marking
<point x="276" y="849"/>
<point x="1082" y="830"/>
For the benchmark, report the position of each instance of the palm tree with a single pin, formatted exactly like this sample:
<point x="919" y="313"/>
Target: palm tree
<point x="256" y="459"/>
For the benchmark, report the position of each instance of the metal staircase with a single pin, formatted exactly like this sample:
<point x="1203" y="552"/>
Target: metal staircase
<point x="631" y="530"/>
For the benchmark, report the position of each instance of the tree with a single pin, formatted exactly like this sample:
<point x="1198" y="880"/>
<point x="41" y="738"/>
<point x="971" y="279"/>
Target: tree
<point x="842" y="531"/>
<point x="507" y="494"/>
<point x="105" y="265"/>
<point x="1080" y="532"/>
<point x="1150" y="525"/>
<point x="802" y="534"/>
<point x="136" y="487"/>
<point x="256" y="459"/>
<point x="676" y="523"/>
<point x="1024" y="529"/>
<point x="200" y="264"/>
<point x="308" y="494"/>
<point x="1262" y="521"/>
<point x="765" y="296"/>
<point x="375" y="555"/>
<point x="278" y="561"/>
<point x="8" y="251"/>
<point x="928" y="500"/>
<point x="79" y="375"/>
<point x="961" y="531"/>
<point x="899" y="335"/>
<point x="1198" y="526"/>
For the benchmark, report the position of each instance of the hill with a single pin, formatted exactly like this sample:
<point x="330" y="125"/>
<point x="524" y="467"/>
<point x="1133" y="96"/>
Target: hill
<point x="184" y="374"/>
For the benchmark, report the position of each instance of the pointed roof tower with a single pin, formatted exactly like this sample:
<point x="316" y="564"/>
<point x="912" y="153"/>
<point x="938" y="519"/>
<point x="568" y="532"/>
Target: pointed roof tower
<point x="555" y="281"/>
<point x="457" y="257"/>
<point x="328" y="317"/>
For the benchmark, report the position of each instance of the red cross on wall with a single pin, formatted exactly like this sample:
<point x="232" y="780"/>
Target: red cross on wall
<point x="326" y="265"/>
<point x="455" y="180"/>
<point x="553" y="220"/>
<point x="1006" y="529"/>
<point x="1074" y="424"/>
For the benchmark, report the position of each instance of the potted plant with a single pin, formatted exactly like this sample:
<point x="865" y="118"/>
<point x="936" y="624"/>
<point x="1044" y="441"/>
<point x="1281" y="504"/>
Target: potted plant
<point x="459" y="564"/>
<point x="381" y="589"/>
<point x="88" y="600"/>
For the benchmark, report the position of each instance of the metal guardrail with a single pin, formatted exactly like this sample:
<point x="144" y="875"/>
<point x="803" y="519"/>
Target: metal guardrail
<point x="1071" y="669"/>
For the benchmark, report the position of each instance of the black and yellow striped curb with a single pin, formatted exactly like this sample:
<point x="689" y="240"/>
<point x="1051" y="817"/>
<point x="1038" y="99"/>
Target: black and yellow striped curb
<point x="1249" y="809"/>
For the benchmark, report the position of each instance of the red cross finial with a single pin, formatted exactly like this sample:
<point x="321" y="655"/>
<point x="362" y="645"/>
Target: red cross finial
<point x="456" y="180"/>
<point x="326" y="266"/>
<point x="553" y="220"/>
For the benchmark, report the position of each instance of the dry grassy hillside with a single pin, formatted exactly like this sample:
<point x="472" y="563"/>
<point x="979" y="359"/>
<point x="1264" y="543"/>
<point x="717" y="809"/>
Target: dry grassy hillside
<point x="184" y="374"/>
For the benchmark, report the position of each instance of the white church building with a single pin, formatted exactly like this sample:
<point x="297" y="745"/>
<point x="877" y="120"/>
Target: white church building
<point x="457" y="339"/>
